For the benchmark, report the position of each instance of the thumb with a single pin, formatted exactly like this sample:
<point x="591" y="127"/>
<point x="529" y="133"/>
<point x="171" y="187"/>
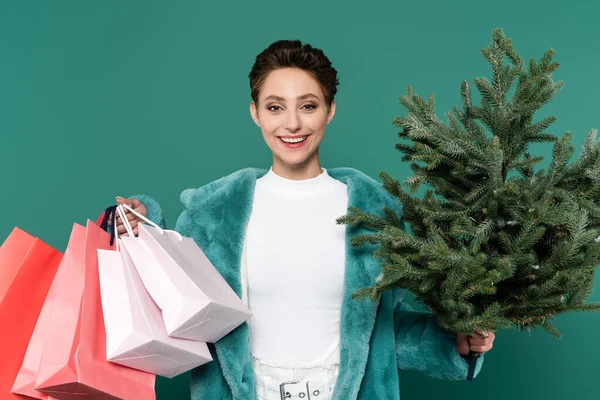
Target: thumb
<point x="462" y="343"/>
<point x="121" y="200"/>
<point x="130" y="202"/>
<point x="133" y="203"/>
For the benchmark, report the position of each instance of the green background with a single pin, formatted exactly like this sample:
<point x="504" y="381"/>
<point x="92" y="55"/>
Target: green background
<point x="99" y="99"/>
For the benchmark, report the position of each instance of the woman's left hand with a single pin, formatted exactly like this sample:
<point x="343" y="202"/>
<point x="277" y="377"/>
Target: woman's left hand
<point x="480" y="342"/>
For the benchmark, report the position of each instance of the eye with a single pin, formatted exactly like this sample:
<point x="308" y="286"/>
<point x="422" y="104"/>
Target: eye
<point x="273" y="108"/>
<point x="309" y="106"/>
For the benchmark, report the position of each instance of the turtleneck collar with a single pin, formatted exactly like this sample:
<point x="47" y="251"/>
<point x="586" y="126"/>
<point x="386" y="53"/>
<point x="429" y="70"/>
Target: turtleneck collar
<point x="312" y="186"/>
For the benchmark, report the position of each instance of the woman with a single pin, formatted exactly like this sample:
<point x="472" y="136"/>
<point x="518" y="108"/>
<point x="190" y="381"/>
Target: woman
<point x="274" y="238"/>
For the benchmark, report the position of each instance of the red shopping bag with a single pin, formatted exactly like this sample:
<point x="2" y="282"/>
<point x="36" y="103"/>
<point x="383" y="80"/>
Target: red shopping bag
<point x="73" y="364"/>
<point x="25" y="380"/>
<point x="27" y="268"/>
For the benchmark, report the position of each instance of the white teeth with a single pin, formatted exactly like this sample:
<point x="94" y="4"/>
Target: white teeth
<point x="294" y="140"/>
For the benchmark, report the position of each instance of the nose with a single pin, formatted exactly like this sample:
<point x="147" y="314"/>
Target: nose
<point x="292" y="122"/>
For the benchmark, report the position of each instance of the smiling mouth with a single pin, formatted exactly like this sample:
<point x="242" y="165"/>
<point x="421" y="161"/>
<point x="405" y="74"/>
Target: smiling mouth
<point x="293" y="140"/>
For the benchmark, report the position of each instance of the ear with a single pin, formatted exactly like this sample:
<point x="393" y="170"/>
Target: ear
<point x="254" y="113"/>
<point x="331" y="112"/>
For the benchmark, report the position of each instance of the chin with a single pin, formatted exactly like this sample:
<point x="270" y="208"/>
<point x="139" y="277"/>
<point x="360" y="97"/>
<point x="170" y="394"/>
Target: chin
<point x="294" y="163"/>
<point x="295" y="160"/>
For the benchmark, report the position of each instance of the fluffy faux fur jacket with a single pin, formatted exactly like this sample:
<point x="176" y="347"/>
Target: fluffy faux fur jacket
<point x="377" y="337"/>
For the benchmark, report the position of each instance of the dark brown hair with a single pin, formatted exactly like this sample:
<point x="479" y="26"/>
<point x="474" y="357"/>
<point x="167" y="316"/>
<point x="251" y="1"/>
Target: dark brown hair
<point x="294" y="54"/>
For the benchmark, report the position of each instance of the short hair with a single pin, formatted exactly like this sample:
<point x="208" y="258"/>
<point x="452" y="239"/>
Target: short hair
<point x="294" y="54"/>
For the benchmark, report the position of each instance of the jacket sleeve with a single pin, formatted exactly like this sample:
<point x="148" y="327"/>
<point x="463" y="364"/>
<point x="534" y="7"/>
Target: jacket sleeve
<point x="154" y="211"/>
<point x="423" y="346"/>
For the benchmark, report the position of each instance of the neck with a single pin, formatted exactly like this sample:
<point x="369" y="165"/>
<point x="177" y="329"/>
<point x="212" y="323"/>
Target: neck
<point x="309" y="169"/>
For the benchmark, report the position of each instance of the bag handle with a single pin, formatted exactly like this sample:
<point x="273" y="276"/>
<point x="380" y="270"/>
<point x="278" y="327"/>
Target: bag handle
<point x="126" y="223"/>
<point x="102" y="221"/>
<point x="137" y="214"/>
<point x="140" y="216"/>
<point x="109" y="214"/>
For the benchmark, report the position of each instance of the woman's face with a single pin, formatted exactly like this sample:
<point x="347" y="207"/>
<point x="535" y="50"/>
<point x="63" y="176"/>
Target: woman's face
<point x="292" y="115"/>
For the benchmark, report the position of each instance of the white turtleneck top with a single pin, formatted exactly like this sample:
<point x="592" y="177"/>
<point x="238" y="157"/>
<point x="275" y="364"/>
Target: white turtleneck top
<point x="294" y="260"/>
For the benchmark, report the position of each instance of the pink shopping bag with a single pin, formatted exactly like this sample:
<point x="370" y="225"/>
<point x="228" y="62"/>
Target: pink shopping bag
<point x="73" y="363"/>
<point x="135" y="332"/>
<point x="196" y="301"/>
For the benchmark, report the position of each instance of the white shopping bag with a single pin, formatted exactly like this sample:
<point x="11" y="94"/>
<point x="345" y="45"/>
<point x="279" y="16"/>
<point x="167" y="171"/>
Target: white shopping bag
<point x="196" y="301"/>
<point x="135" y="333"/>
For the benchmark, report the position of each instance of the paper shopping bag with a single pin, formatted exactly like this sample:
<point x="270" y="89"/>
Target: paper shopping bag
<point x="27" y="268"/>
<point x="196" y="301"/>
<point x="25" y="381"/>
<point x="73" y="363"/>
<point x="135" y="332"/>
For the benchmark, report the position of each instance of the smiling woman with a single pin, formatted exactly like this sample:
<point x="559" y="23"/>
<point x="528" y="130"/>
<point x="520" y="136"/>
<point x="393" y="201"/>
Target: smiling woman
<point x="273" y="235"/>
<point x="292" y="114"/>
<point x="292" y="103"/>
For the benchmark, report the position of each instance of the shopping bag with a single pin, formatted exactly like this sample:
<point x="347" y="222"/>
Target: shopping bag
<point x="27" y="268"/>
<point x="135" y="332"/>
<point x="25" y="381"/>
<point x="196" y="301"/>
<point x="73" y="362"/>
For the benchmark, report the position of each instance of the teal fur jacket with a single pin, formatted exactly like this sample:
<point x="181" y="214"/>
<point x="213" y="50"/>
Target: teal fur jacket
<point x="377" y="337"/>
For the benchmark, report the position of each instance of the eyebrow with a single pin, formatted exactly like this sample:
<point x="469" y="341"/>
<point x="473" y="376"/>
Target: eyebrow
<point x="302" y="97"/>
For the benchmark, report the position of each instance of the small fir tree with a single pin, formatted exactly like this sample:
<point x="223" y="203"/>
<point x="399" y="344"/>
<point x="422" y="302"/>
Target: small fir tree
<point x="494" y="242"/>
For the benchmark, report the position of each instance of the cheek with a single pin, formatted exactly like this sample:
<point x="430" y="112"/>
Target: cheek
<point x="316" y="122"/>
<point x="317" y="127"/>
<point x="270" y="125"/>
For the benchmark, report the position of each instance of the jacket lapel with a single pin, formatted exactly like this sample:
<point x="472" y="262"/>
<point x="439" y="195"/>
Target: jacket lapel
<point x="223" y="209"/>
<point x="362" y="269"/>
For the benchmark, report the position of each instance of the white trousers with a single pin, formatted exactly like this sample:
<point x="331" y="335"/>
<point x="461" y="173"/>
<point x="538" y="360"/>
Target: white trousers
<point x="315" y="382"/>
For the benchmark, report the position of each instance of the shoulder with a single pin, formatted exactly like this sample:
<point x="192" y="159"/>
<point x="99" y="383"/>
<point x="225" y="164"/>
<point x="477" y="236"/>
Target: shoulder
<point x="238" y="183"/>
<point x="354" y="176"/>
<point x="364" y="191"/>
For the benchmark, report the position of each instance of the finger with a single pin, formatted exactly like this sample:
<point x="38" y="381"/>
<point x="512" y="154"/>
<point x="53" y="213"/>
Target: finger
<point x="141" y="209"/>
<point x="462" y="344"/>
<point x="489" y="339"/>
<point x="130" y="216"/>
<point x="478" y="342"/>
<point x="481" y="333"/>
<point x="135" y="231"/>
<point x="133" y="203"/>
<point x="477" y="335"/>
<point x="121" y="230"/>
<point x="480" y="349"/>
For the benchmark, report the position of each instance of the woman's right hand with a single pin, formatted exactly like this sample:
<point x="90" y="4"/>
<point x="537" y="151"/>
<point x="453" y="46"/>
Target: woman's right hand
<point x="133" y="219"/>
